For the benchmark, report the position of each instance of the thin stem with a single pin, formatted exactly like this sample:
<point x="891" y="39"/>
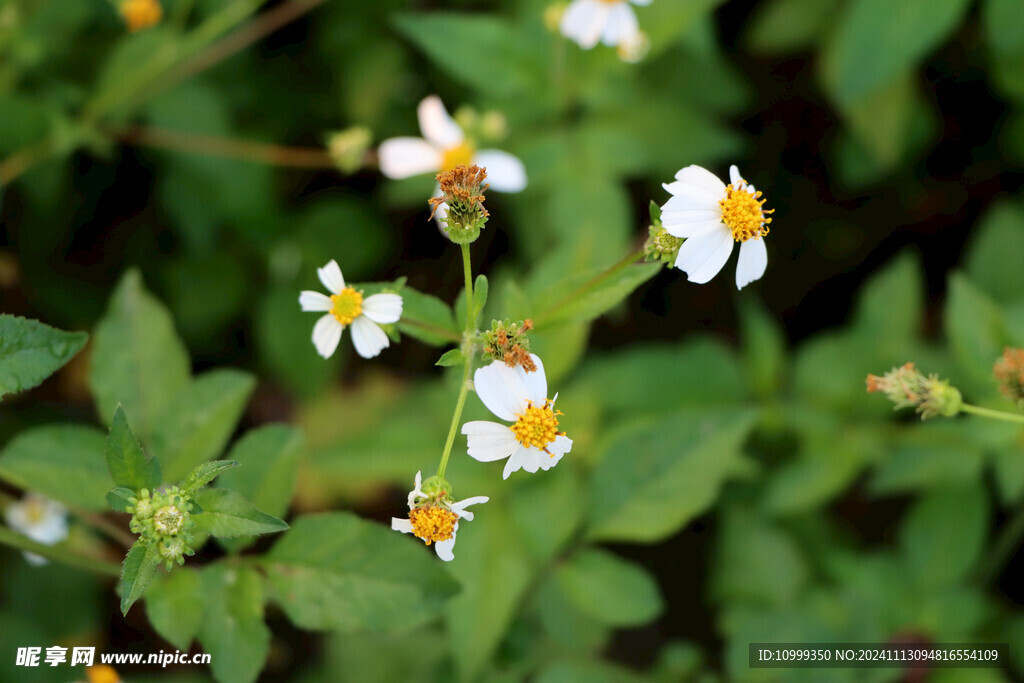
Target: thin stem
<point x="59" y="554"/>
<point x="590" y="284"/>
<point x="107" y="527"/>
<point x="467" y="351"/>
<point x="1002" y="550"/>
<point x="994" y="414"/>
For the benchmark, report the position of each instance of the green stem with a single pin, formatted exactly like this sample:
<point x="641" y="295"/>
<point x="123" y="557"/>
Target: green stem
<point x="587" y="286"/>
<point x="994" y="414"/>
<point x="59" y="554"/>
<point x="467" y="351"/>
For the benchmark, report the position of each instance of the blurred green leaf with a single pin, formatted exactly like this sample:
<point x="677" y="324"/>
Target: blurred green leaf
<point x="1003" y="28"/>
<point x="232" y="630"/>
<point x="138" y="360"/>
<point x="924" y="458"/>
<point x="129" y="466"/>
<point x="591" y="294"/>
<point x="227" y="514"/>
<point x="882" y="119"/>
<point x="591" y="671"/>
<point x="428" y="319"/>
<point x="783" y="26"/>
<point x="64" y="462"/>
<point x="944" y="533"/>
<point x="995" y="253"/>
<point x="140" y="565"/>
<point x="284" y="342"/>
<point x="31" y="351"/>
<point x="199" y="421"/>
<point x="336" y="571"/>
<point x="175" y="604"/>
<point x="610" y="589"/>
<point x="890" y="305"/>
<point x="269" y="459"/>
<point x="764" y="349"/>
<point x="563" y="622"/>
<point x="976" y="329"/>
<point x="656" y="476"/>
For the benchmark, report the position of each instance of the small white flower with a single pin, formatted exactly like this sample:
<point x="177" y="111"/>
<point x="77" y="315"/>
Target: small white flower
<point x="443" y="147"/>
<point x="533" y="441"/>
<point x="609" y="21"/>
<point x="712" y="216"/>
<point x="435" y="521"/>
<point x="41" y="519"/>
<point x="346" y="306"/>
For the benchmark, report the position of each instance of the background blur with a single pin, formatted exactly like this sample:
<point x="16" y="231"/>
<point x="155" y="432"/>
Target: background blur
<point x="886" y="135"/>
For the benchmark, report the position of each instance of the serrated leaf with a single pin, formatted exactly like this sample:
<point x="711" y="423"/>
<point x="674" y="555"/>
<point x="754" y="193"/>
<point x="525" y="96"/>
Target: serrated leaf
<point x="232" y="630"/>
<point x="120" y="498"/>
<point x="227" y="514"/>
<point x="175" y="604"/>
<point x="428" y="319"/>
<point x="610" y="589"/>
<point x="207" y="472"/>
<point x="450" y="358"/>
<point x="65" y="462"/>
<point x="31" y="351"/>
<point x="129" y="466"/>
<point x="336" y="571"/>
<point x="138" y="360"/>
<point x="201" y="419"/>
<point x="138" y="570"/>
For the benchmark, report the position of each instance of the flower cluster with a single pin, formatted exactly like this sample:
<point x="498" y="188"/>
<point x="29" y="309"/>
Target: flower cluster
<point x="164" y="518"/>
<point x="1009" y="372"/>
<point x="906" y="387"/>
<point x="507" y="341"/>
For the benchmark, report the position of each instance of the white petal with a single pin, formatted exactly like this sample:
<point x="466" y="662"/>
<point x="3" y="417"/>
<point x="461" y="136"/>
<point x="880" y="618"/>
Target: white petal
<point x="641" y="2"/>
<point x="752" y="262"/>
<point x="584" y="22"/>
<point x="407" y="156"/>
<point x="536" y="382"/>
<point x="416" y="492"/>
<point x="368" y="338"/>
<point x="702" y="257"/>
<point x="489" y="441"/>
<point x="505" y="172"/>
<point x="383" y="308"/>
<point x="502" y="389"/>
<point x="460" y="507"/>
<point x="436" y="125"/>
<point x="515" y="462"/>
<point x="620" y="25"/>
<point x="687" y="230"/>
<point x="445" y="549"/>
<point x="330" y="275"/>
<point x="699" y="178"/>
<point x="694" y="200"/>
<point x="734" y="175"/>
<point x="315" y="301"/>
<point x="403" y="525"/>
<point x="326" y="335"/>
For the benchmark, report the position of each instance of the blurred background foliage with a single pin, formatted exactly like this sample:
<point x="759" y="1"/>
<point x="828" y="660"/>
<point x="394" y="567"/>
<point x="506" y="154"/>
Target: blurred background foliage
<point x="730" y="481"/>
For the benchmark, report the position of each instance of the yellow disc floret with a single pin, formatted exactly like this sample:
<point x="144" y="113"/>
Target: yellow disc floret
<point x="459" y="155"/>
<point x="169" y="520"/>
<point x="140" y="14"/>
<point x="348" y="305"/>
<point x="743" y="213"/>
<point x="433" y="523"/>
<point x="538" y="426"/>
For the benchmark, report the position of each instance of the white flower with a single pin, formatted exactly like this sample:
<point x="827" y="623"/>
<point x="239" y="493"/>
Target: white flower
<point x="533" y="441"/>
<point x="41" y="519"/>
<point x="443" y="147"/>
<point x="712" y="216"/>
<point x="433" y="521"/>
<point x="609" y="21"/>
<point x="346" y="306"/>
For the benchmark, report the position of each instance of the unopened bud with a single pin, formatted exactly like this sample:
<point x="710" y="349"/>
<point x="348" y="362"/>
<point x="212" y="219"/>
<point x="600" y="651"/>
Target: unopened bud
<point x="908" y="388"/>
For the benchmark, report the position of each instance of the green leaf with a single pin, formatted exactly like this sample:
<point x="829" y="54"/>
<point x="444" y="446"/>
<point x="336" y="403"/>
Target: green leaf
<point x="120" y="498"/>
<point x="228" y="514"/>
<point x="232" y="630"/>
<point x="876" y="40"/>
<point x="64" y="462"/>
<point x="207" y="472"/>
<point x="480" y="288"/>
<point x="656" y="476"/>
<point x="198" y="423"/>
<point x="336" y="571"/>
<point x="31" y="351"/>
<point x="996" y="252"/>
<point x="428" y="319"/>
<point x="944" y="534"/>
<point x="129" y="466"/>
<point x="930" y="456"/>
<point x="450" y="358"/>
<point x="1003" y="27"/>
<point x="589" y="670"/>
<point x="890" y="307"/>
<point x="285" y="351"/>
<point x="764" y="349"/>
<point x="138" y="570"/>
<point x="610" y="589"/>
<point x="269" y="459"/>
<point x="175" y="604"/>
<point x="138" y="360"/>
<point x="783" y="26"/>
<point x="589" y="295"/>
<point x="977" y="332"/>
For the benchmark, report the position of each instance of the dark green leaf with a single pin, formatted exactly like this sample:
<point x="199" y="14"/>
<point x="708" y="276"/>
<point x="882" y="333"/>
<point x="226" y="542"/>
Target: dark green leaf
<point x="232" y="630"/>
<point x="64" y="462"/>
<point x="140" y="565"/>
<point x="996" y="252"/>
<point x="610" y="589"/>
<point x="428" y="319"/>
<point x="129" y="466"/>
<point x="227" y="514"/>
<point x="176" y="603"/>
<point x="31" y="351"/>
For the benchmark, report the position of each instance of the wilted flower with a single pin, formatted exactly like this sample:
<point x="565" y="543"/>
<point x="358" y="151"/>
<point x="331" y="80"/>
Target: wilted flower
<point x="41" y="519"/>
<point x="346" y="306"/>
<point x="908" y="388"/>
<point x="462" y="193"/>
<point x="609" y="21"/>
<point x="1009" y="372"/>
<point x="140" y="14"/>
<point x="507" y="341"/>
<point x="433" y="517"/>
<point x="533" y="441"/>
<point x="712" y="216"/>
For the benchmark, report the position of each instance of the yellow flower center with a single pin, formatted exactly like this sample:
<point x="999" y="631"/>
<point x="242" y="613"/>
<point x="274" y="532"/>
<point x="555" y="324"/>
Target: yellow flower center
<point x="168" y="520"/>
<point x="433" y="523"/>
<point x="459" y="155"/>
<point x="140" y="14"/>
<point x="101" y="673"/>
<point x="743" y="213"/>
<point x="538" y="426"/>
<point x="35" y="511"/>
<point x="348" y="304"/>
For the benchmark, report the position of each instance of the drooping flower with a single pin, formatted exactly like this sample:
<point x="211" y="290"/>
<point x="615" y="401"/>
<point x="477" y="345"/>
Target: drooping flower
<point x="346" y="306"/>
<point x="444" y="146"/>
<point x="41" y="519"/>
<point x="712" y="216"/>
<point x="612" y="22"/>
<point x="533" y="440"/>
<point x="140" y="14"/>
<point x="433" y="517"/>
